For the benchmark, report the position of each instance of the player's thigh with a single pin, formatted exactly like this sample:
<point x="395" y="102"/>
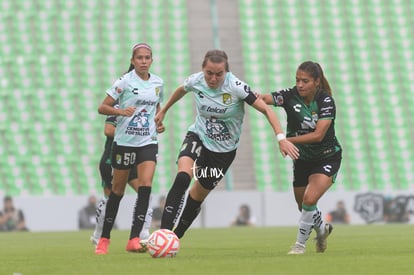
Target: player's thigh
<point x="134" y="183"/>
<point x="119" y="181"/>
<point x="317" y="186"/>
<point x="146" y="162"/>
<point x="133" y="173"/>
<point x="146" y="171"/>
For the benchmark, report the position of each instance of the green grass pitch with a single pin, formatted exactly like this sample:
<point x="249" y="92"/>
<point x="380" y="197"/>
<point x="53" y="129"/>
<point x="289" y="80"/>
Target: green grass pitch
<point x="365" y="249"/>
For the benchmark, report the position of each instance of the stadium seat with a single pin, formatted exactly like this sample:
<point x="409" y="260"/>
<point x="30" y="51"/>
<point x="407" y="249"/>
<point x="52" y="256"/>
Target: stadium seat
<point x="364" y="48"/>
<point x="60" y="57"/>
<point x="57" y="58"/>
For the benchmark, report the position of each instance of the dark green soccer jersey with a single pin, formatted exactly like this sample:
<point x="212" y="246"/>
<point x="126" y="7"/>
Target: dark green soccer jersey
<point x="302" y="119"/>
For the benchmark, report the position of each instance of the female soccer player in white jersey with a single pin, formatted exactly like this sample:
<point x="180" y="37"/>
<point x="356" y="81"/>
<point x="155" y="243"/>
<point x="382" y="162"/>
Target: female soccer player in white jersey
<point x="139" y="93"/>
<point x="105" y="170"/>
<point x="311" y="113"/>
<point x="210" y="144"/>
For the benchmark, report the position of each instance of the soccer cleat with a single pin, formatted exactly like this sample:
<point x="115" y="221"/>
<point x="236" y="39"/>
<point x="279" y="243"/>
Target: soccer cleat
<point x="134" y="245"/>
<point x="321" y="242"/>
<point x="102" y="246"/>
<point x="297" y="249"/>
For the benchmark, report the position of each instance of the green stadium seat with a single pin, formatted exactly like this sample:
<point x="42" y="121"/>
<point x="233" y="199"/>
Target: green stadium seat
<point x="58" y="58"/>
<point x="351" y="63"/>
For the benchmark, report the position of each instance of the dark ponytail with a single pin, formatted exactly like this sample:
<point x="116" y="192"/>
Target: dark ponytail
<point x="315" y="70"/>
<point x="131" y="67"/>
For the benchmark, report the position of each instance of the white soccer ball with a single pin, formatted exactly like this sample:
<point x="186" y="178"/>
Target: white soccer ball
<point x="163" y="243"/>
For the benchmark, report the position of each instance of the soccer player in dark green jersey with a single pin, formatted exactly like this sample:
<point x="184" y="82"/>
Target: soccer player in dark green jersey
<point x="311" y="112"/>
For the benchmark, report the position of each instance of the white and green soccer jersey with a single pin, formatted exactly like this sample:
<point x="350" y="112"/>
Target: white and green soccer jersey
<point x="139" y="129"/>
<point x="302" y="119"/>
<point x="220" y="111"/>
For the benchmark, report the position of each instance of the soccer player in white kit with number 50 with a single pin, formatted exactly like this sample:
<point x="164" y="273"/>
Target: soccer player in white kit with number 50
<point x="139" y="93"/>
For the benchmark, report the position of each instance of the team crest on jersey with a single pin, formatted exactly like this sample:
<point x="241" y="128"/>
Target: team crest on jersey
<point x="157" y="91"/>
<point x="227" y="99"/>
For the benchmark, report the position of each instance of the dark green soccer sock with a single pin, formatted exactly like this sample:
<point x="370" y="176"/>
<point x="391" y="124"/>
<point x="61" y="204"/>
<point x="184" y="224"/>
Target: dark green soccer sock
<point x="140" y="210"/>
<point x="111" y="211"/>
<point x="191" y="210"/>
<point x="175" y="200"/>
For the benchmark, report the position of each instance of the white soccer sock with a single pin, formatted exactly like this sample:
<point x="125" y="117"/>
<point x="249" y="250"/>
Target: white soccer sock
<point x="100" y="217"/>
<point x="318" y="222"/>
<point x="305" y="227"/>
<point x="145" y="232"/>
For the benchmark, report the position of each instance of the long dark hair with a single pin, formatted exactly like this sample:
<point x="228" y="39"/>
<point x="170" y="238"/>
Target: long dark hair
<point x="315" y="71"/>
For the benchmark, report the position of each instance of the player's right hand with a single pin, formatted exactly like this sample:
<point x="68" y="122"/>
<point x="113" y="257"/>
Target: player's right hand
<point x="129" y="111"/>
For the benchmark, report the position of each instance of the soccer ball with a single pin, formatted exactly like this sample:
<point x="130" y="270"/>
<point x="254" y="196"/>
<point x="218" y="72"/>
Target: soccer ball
<point x="163" y="243"/>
